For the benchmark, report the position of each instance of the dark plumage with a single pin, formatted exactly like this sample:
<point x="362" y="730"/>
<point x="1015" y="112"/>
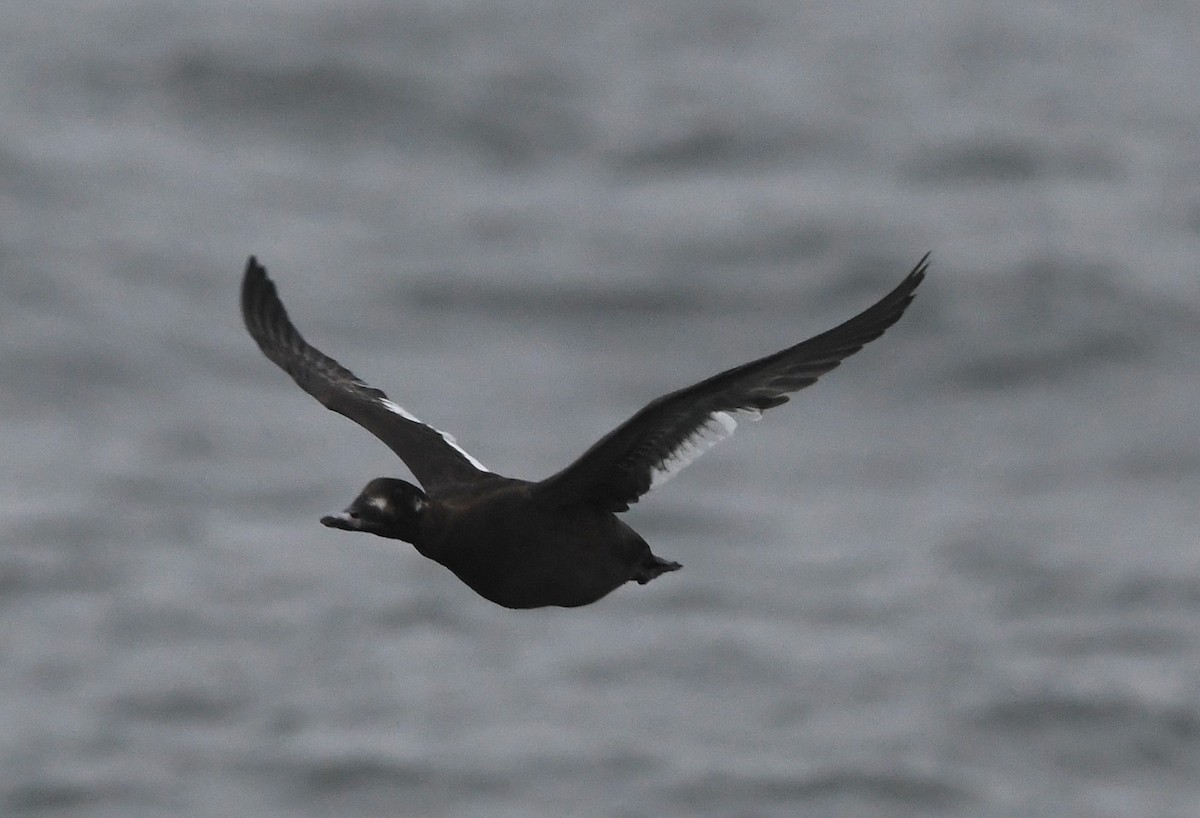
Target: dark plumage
<point x="523" y="544"/>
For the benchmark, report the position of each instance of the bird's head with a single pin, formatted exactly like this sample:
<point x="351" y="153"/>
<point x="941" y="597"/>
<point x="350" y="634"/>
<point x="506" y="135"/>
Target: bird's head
<point x="386" y="507"/>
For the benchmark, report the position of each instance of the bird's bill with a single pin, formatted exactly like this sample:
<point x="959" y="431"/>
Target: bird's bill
<point x="342" y="520"/>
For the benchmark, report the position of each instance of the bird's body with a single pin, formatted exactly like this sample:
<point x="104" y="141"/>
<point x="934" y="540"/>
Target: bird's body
<point x="558" y="541"/>
<point x="521" y="552"/>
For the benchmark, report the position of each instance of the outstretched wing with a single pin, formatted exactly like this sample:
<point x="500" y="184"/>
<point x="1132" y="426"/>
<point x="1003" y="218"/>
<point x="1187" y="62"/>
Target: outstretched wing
<point x="432" y="456"/>
<point x="675" y="429"/>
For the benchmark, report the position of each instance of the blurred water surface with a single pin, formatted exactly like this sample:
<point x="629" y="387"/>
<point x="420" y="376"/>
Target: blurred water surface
<point x="959" y="577"/>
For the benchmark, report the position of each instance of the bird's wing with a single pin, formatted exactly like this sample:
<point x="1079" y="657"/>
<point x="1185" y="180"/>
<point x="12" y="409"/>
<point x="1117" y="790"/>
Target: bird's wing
<point x="431" y="455"/>
<point x="675" y="429"/>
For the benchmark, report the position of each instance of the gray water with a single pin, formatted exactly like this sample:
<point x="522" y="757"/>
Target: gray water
<point x="959" y="577"/>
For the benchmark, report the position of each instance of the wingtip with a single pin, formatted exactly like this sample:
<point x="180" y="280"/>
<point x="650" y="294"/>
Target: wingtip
<point x="258" y="295"/>
<point x="922" y="266"/>
<point x="908" y="287"/>
<point x="919" y="271"/>
<point x="252" y="266"/>
<point x="256" y="284"/>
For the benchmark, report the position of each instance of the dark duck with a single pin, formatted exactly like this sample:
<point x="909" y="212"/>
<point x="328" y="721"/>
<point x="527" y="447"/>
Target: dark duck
<point x="559" y="541"/>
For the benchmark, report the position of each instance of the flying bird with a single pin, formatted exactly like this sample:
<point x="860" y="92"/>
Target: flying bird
<point x="558" y="541"/>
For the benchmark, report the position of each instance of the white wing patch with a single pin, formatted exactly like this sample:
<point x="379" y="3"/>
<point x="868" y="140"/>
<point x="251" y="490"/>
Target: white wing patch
<point x="719" y="426"/>
<point x="446" y="436"/>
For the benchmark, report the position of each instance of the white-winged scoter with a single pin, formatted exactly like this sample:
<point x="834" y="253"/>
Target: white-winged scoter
<point x="525" y="544"/>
